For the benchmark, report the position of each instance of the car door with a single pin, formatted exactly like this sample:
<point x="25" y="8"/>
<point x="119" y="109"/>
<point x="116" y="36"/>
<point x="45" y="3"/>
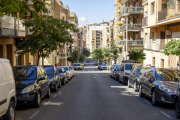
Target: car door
<point x="149" y="83"/>
<point x="41" y="82"/>
<point x="144" y="83"/>
<point x="131" y="76"/>
<point x="3" y="87"/>
<point x="46" y="80"/>
<point x="121" y="73"/>
<point x="57" y="77"/>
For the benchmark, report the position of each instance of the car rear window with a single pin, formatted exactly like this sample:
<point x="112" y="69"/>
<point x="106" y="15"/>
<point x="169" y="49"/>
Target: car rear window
<point x="60" y="70"/>
<point x="49" y="70"/>
<point x="66" y="68"/>
<point x="128" y="66"/>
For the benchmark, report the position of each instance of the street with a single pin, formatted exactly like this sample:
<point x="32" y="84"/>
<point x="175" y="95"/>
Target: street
<point x="93" y="95"/>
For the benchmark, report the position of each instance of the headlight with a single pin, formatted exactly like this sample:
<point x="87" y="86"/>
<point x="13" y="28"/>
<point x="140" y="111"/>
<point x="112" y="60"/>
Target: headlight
<point x="28" y="89"/>
<point x="163" y="88"/>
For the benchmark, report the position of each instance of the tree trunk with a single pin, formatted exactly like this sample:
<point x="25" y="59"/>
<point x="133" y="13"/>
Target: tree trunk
<point x="38" y="58"/>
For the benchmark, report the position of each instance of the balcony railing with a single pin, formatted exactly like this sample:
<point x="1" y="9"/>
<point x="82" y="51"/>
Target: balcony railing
<point x="170" y="12"/>
<point x="132" y="10"/>
<point x="131" y="26"/>
<point x="132" y="42"/>
<point x="145" y="21"/>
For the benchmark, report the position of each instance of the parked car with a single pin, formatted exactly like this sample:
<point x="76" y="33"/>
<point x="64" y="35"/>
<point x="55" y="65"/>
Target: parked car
<point x="133" y="78"/>
<point x="63" y="75"/>
<point x="72" y="71"/>
<point x="53" y="75"/>
<point x="124" y="72"/>
<point x="99" y="66"/>
<point x="68" y="72"/>
<point x="32" y="84"/>
<point x="112" y="70"/>
<point x="103" y="67"/>
<point x="177" y="101"/>
<point x="77" y="66"/>
<point x="160" y="85"/>
<point x="116" y="72"/>
<point x="8" y="92"/>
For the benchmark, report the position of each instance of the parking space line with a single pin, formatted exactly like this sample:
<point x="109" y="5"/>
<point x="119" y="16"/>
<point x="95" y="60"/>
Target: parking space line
<point x="34" y="114"/>
<point x="60" y="91"/>
<point x="166" y="115"/>
<point x="63" y="87"/>
<point x="55" y="96"/>
<point x="47" y="103"/>
<point x="147" y="102"/>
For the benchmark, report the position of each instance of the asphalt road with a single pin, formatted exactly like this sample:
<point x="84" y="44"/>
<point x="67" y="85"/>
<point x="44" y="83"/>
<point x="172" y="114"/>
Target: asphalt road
<point x="93" y="95"/>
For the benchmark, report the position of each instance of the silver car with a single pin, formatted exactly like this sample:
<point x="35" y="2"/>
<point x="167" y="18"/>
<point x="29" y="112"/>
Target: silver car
<point x="72" y="71"/>
<point x="112" y="70"/>
<point x="77" y="66"/>
<point x="68" y="71"/>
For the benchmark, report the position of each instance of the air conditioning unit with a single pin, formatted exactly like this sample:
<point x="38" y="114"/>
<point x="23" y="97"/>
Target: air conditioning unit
<point x="168" y="32"/>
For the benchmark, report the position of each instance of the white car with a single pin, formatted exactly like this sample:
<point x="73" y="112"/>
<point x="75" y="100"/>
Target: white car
<point x="8" y="92"/>
<point x="68" y="72"/>
<point x="72" y="71"/>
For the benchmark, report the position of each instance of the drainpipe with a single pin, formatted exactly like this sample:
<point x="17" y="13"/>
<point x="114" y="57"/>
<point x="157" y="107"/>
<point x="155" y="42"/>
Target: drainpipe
<point x="126" y="36"/>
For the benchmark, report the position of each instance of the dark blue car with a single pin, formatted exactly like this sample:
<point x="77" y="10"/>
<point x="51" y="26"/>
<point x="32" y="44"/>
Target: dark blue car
<point x="53" y="75"/>
<point x="32" y="84"/>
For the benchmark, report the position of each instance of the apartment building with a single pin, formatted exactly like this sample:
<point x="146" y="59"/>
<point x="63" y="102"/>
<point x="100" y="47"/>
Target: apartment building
<point x="83" y="31"/>
<point x="161" y="24"/>
<point x="131" y="30"/>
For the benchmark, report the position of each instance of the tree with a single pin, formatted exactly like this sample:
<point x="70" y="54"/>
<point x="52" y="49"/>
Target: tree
<point x="86" y="52"/>
<point x="98" y="54"/>
<point x="114" y="50"/>
<point x="74" y="56"/>
<point x="172" y="47"/>
<point x="136" y="55"/>
<point x="106" y="53"/>
<point x="82" y="58"/>
<point x="47" y="34"/>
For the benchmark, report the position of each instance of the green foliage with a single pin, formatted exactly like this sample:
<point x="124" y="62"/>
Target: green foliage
<point x="86" y="52"/>
<point x="172" y="47"/>
<point x="82" y="58"/>
<point x="47" y="34"/>
<point x="74" y="56"/>
<point x="98" y="54"/>
<point x="106" y="53"/>
<point x="136" y="55"/>
<point x="114" y="50"/>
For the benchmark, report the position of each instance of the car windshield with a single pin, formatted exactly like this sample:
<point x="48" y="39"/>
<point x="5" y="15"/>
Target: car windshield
<point x="60" y="70"/>
<point x="114" y="66"/>
<point x="24" y="73"/>
<point x="77" y="65"/>
<point x="128" y="66"/>
<point x="167" y="75"/>
<point x="71" y="68"/>
<point x="103" y="64"/>
<point x="140" y="71"/>
<point x="66" y="68"/>
<point x="118" y="68"/>
<point x="49" y="70"/>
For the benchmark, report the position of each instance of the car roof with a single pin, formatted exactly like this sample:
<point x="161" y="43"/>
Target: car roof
<point x="27" y="66"/>
<point x="4" y="60"/>
<point x="47" y="65"/>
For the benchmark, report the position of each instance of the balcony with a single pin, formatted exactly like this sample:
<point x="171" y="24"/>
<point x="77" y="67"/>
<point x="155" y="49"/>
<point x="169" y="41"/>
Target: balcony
<point x="144" y="1"/>
<point x="19" y="27"/>
<point x="132" y="42"/>
<point x="131" y="10"/>
<point x="145" y="21"/>
<point x="131" y="27"/>
<point x="169" y="13"/>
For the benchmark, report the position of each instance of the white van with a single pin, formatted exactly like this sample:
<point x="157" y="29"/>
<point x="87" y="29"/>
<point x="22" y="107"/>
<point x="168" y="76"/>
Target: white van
<point x="7" y="91"/>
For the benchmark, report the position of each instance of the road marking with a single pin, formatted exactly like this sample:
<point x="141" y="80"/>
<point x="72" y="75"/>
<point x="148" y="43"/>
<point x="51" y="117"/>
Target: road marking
<point x="34" y="114"/>
<point x="166" y="114"/>
<point x="47" y="103"/>
<point x="63" y="87"/>
<point x="55" y="96"/>
<point x="60" y="91"/>
<point x="147" y="102"/>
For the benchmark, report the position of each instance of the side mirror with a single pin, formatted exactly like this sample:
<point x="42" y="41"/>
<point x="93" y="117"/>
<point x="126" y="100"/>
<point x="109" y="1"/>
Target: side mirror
<point x="42" y="78"/>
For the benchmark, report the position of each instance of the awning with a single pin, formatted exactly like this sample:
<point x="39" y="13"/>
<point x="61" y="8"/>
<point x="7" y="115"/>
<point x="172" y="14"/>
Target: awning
<point x="59" y="56"/>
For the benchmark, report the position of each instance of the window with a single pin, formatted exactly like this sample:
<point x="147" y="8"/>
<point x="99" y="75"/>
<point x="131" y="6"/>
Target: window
<point x="162" y="63"/>
<point x="92" y="32"/>
<point x="145" y="37"/>
<point x="153" y="36"/>
<point x="153" y="61"/>
<point x="153" y="8"/>
<point x="93" y="45"/>
<point x="162" y="35"/>
<point x="146" y="14"/>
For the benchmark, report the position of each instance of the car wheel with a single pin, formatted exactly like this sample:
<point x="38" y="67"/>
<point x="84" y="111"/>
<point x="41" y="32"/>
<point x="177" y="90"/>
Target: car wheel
<point x="48" y="93"/>
<point x="64" y="82"/>
<point x="117" y="78"/>
<point x="55" y="88"/>
<point x="135" y="87"/>
<point x="129" y="86"/>
<point x="10" y="115"/>
<point x="140" y="91"/>
<point x="153" y="98"/>
<point x="177" y="108"/>
<point x="37" y="100"/>
<point x="59" y="84"/>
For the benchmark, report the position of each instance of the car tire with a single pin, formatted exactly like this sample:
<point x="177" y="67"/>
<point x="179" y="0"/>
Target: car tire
<point x="64" y="82"/>
<point x="55" y="89"/>
<point x="135" y="87"/>
<point x="153" y="98"/>
<point x="59" y="84"/>
<point x="177" y="108"/>
<point x="129" y="86"/>
<point x="48" y="95"/>
<point x="117" y="78"/>
<point x="140" y="91"/>
<point x="37" y="100"/>
<point x="10" y="114"/>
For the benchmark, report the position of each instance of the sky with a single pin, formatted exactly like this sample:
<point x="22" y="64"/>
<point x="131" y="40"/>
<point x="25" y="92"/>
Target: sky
<point x="92" y="11"/>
